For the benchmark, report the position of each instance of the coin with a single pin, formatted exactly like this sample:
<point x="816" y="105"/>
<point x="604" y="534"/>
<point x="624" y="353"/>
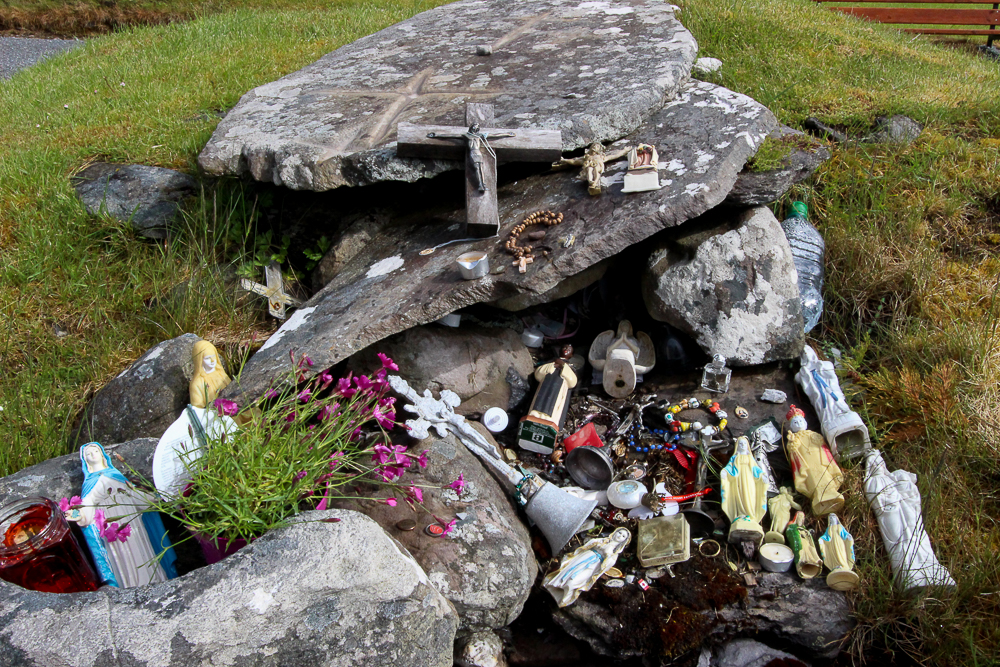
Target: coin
<point x="406" y="524"/>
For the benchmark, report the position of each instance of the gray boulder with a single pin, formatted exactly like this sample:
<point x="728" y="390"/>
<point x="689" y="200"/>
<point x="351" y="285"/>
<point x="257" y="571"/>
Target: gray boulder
<point x="337" y="593"/>
<point x="486" y="566"/>
<point x="886" y="130"/>
<point x="737" y="295"/>
<point x="748" y="653"/>
<point x="704" y="137"/>
<point x="480" y="649"/>
<point x="471" y="361"/>
<point x="143" y="400"/>
<point x="62" y="477"/>
<point x="593" y="71"/>
<point x="148" y="197"/>
<point x="806" y="154"/>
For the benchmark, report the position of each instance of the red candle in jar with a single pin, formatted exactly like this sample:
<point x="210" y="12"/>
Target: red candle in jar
<point x="39" y="551"/>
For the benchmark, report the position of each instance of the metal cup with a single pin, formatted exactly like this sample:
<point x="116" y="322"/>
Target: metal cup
<point x="473" y="265"/>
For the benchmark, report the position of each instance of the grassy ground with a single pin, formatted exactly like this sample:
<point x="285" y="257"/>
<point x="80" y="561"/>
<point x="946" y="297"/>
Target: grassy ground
<point x="912" y="232"/>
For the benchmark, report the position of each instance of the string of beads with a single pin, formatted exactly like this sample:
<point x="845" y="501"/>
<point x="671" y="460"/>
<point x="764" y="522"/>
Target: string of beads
<point x="547" y="218"/>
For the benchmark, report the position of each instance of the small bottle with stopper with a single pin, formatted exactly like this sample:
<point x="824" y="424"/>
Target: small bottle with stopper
<point x="716" y="376"/>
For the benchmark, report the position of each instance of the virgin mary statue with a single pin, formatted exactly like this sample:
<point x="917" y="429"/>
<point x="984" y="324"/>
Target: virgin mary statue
<point x="135" y="552"/>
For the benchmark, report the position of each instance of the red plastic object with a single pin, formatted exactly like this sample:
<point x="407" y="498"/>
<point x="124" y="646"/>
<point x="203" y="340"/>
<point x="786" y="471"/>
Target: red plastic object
<point x="585" y="437"/>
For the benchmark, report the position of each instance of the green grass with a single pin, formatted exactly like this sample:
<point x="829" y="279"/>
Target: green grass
<point x="912" y="235"/>
<point x="912" y="274"/>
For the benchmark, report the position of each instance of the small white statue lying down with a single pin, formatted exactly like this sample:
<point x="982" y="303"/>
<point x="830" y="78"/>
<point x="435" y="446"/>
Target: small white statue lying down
<point x="581" y="569"/>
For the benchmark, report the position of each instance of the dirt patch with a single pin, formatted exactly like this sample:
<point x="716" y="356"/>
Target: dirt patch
<point x="80" y="20"/>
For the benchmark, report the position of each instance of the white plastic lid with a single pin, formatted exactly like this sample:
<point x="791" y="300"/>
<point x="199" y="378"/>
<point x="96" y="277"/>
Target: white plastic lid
<point x="495" y="420"/>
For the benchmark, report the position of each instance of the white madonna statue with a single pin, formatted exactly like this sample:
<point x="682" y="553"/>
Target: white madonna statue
<point x="842" y="428"/>
<point x="895" y="499"/>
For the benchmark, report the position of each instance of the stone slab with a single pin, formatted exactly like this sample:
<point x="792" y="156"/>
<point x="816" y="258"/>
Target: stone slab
<point x="703" y="137"/>
<point x="593" y="70"/>
<point x="754" y="188"/>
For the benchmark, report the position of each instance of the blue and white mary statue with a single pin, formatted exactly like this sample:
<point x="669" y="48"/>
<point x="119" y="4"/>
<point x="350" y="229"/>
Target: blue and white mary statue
<point x="137" y="560"/>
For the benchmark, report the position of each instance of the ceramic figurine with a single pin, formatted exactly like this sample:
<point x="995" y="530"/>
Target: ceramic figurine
<point x="582" y="568"/>
<point x="592" y="162"/>
<point x="643" y="169"/>
<point x="744" y="495"/>
<point x="209" y="376"/>
<point x="780" y="507"/>
<point x="183" y="443"/>
<point x="622" y="357"/>
<point x="807" y="561"/>
<point x="842" y="428"/>
<point x="837" y="548"/>
<point x="895" y="499"/>
<point x="817" y="475"/>
<point x="541" y="425"/>
<point x="128" y="554"/>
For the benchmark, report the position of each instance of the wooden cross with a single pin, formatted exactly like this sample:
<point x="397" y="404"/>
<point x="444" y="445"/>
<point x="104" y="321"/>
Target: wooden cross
<point x="274" y="291"/>
<point x="481" y="145"/>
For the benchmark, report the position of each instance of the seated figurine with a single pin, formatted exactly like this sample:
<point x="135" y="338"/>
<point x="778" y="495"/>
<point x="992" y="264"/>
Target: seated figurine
<point x="643" y="170"/>
<point x="209" y="376"/>
<point x="128" y="543"/>
<point x="622" y="357"/>
<point x="539" y="428"/>
<point x="581" y="569"/>
<point x="817" y="475"/>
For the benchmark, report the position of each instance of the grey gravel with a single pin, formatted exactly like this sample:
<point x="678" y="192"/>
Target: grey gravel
<point x="17" y="53"/>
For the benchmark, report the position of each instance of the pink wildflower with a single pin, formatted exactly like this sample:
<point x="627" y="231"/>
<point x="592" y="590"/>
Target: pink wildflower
<point x="448" y="527"/>
<point x="305" y="394"/>
<point x="363" y="382"/>
<point x="226" y="407"/>
<point x="325" y="380"/>
<point x="299" y="475"/>
<point x="291" y="417"/>
<point x="458" y="484"/>
<point x="416" y="493"/>
<point x="326" y="411"/>
<point x="344" y="387"/>
<point x="387" y="362"/>
<point x="384" y="419"/>
<point x="124" y="533"/>
<point x="390" y="473"/>
<point x="306" y="360"/>
<point x="336" y="459"/>
<point x="422" y="459"/>
<point x="67" y="505"/>
<point x="99" y="521"/>
<point x="391" y="502"/>
<point x="382" y="454"/>
<point x="271" y="394"/>
<point x="381" y="383"/>
<point x="110" y="532"/>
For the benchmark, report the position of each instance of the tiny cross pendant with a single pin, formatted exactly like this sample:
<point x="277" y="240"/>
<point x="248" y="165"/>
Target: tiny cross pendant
<point x="522" y="263"/>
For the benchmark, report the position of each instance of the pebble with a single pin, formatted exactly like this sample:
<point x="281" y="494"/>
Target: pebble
<point x="773" y="396"/>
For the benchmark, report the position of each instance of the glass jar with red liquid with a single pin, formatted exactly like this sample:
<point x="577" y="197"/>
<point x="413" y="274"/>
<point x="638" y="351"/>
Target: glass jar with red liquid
<point x="39" y="551"/>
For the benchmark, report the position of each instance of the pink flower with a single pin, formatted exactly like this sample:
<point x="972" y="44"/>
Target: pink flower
<point x="111" y="532"/>
<point x="124" y="533"/>
<point x="387" y="402"/>
<point x="307" y="360"/>
<point x="387" y="362"/>
<point x="305" y="394"/>
<point x="325" y="380"/>
<point x="300" y="475"/>
<point x="391" y="502"/>
<point x="363" y="382"/>
<point x="422" y="459"/>
<point x="271" y="394"/>
<point x="291" y="417"/>
<point x="381" y="383"/>
<point x="336" y="459"/>
<point x="355" y="434"/>
<point x="326" y="411"/>
<point x="382" y="454"/>
<point x="390" y="473"/>
<point x="344" y="387"/>
<point x="458" y="484"/>
<point x="99" y="521"/>
<point x="448" y="527"/>
<point x="384" y="419"/>
<point x="66" y="505"/>
<point x="226" y="407"/>
<point x="415" y="493"/>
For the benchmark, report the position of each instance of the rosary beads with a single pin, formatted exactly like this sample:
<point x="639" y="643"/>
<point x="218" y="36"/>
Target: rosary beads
<point x="547" y="218"/>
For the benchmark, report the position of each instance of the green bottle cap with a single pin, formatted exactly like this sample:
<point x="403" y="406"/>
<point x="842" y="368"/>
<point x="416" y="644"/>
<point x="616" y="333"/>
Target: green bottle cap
<point x="800" y="208"/>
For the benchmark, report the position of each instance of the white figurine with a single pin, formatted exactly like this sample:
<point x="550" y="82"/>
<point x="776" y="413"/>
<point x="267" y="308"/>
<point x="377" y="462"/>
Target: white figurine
<point x="622" y="357"/>
<point x="129" y="554"/>
<point x="582" y="568"/>
<point x="643" y="170"/>
<point x="842" y="428"/>
<point x="895" y="499"/>
<point x="182" y="444"/>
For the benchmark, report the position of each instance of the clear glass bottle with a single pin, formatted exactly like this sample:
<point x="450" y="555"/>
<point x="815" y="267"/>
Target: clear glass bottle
<point x="716" y="376"/>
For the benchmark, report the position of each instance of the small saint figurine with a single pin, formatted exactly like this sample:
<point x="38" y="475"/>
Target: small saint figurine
<point x="837" y="548"/>
<point x="592" y="162"/>
<point x="622" y="357"/>
<point x="780" y="507"/>
<point x="744" y="496"/>
<point x="807" y="561"/>
<point x="895" y="500"/>
<point x="129" y="544"/>
<point x="582" y="568"/>
<point x="643" y="166"/>
<point x="209" y="376"/>
<point x="817" y="475"/>
<point x="541" y="425"/>
<point x="842" y="428"/>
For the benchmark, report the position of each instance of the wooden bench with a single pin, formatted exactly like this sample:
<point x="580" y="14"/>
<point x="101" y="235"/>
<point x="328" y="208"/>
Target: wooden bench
<point x="920" y="17"/>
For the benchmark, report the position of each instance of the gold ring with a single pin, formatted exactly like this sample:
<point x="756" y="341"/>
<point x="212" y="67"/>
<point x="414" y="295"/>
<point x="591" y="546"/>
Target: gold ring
<point x="701" y="549"/>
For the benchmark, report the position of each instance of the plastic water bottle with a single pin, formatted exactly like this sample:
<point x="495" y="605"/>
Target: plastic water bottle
<point x="807" y="252"/>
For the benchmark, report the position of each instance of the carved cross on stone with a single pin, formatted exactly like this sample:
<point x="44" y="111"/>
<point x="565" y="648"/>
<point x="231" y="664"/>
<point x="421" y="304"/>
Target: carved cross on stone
<point x="274" y="291"/>
<point x="481" y="145"/>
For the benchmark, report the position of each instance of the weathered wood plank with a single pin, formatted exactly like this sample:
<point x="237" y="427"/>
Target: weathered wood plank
<point x="482" y="219"/>
<point x="953" y="31"/>
<point x="924" y="16"/>
<point x="528" y="144"/>
<point x="916" y="2"/>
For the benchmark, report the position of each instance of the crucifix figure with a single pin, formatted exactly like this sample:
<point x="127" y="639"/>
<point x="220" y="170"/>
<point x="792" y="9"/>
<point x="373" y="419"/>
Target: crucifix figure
<point x="274" y="291"/>
<point x="480" y="146"/>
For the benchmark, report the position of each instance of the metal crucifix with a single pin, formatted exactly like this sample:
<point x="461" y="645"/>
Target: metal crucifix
<point x="481" y="146"/>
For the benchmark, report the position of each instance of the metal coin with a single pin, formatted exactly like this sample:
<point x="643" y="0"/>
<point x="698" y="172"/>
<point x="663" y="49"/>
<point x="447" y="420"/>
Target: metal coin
<point x="614" y="583"/>
<point x="406" y="524"/>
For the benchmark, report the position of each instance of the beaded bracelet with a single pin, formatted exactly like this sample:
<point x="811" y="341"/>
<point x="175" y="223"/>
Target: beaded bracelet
<point x="547" y="218"/>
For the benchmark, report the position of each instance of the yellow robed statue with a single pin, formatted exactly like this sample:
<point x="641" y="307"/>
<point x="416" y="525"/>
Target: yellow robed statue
<point x="744" y="495"/>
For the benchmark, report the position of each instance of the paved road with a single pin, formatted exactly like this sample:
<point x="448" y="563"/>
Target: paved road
<point x="16" y="53"/>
